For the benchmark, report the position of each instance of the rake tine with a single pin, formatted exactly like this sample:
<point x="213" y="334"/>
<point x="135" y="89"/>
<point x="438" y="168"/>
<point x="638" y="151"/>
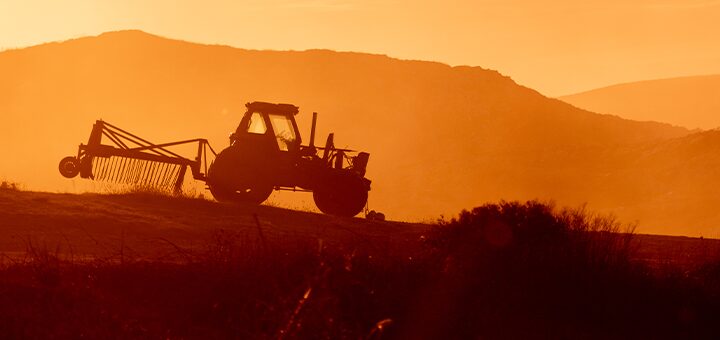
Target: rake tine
<point x="168" y="172"/>
<point x="128" y="171"/>
<point x="115" y="168"/>
<point x="168" y="178"/>
<point x="174" y="177"/>
<point x="103" y="169"/>
<point x="95" y="167"/>
<point x="161" y="180"/>
<point x="98" y="168"/>
<point x="139" y="173"/>
<point x="159" y="177"/>
<point x="101" y="166"/>
<point x="123" y="169"/>
<point x="171" y="175"/>
<point x="106" y="169"/>
<point x="151" y="167"/>
<point x="156" y="176"/>
<point x="152" y="173"/>
<point x="177" y="187"/>
<point x="136" y="172"/>
<point x="143" y="173"/>
<point x="111" y="168"/>
<point x="163" y="173"/>
<point x="119" y="169"/>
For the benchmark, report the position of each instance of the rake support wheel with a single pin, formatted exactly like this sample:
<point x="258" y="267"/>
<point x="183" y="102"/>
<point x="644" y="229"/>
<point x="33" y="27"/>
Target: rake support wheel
<point x="69" y="167"/>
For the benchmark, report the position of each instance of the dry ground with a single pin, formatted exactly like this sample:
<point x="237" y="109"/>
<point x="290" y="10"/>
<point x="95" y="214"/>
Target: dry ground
<point x="228" y="271"/>
<point x="152" y="226"/>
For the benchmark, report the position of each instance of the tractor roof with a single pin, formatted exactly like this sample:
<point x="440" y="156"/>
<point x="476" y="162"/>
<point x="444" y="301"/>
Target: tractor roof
<point x="285" y="109"/>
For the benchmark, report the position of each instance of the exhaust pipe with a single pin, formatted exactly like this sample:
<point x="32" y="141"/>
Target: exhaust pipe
<point x="312" y="131"/>
<point x="360" y="163"/>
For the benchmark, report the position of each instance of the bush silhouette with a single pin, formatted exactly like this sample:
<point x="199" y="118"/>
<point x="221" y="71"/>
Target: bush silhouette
<point x="554" y="271"/>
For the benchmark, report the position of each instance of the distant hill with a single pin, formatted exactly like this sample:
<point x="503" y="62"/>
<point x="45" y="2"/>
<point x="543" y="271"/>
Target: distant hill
<point x="441" y="138"/>
<point x="692" y="102"/>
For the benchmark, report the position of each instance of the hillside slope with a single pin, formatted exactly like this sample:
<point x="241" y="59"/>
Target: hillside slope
<point x="149" y="226"/>
<point x="441" y="138"/>
<point x="151" y="266"/>
<point x="157" y="227"/>
<point x="693" y="102"/>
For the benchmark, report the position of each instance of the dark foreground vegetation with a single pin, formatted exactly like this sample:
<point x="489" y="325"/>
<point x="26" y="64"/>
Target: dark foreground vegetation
<point x="507" y="270"/>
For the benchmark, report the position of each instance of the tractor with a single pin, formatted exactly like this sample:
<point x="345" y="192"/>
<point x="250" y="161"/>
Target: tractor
<point x="266" y="154"/>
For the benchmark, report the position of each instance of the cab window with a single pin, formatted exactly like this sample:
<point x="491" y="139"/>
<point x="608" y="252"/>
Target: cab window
<point x="257" y="124"/>
<point x="284" y="131"/>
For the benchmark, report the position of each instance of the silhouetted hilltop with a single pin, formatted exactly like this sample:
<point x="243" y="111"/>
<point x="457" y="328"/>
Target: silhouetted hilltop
<point x="693" y="102"/>
<point x="441" y="138"/>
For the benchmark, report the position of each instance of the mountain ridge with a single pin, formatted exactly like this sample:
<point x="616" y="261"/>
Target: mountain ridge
<point x="691" y="101"/>
<point x="645" y="81"/>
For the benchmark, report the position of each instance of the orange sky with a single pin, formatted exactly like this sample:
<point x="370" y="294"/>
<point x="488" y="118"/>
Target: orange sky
<point x="557" y="47"/>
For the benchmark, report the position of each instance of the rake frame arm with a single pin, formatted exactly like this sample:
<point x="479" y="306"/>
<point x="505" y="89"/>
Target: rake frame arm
<point x="129" y="145"/>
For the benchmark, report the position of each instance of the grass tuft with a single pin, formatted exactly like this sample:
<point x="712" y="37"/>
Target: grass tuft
<point x="10" y="186"/>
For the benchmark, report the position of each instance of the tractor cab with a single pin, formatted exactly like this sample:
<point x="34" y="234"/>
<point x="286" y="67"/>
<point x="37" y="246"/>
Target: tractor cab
<point x="269" y="124"/>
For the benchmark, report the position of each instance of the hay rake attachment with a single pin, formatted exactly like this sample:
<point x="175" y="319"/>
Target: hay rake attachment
<point x="132" y="160"/>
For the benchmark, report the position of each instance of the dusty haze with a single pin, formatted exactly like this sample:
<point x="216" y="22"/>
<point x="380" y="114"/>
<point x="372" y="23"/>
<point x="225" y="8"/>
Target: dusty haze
<point x="441" y="138"/>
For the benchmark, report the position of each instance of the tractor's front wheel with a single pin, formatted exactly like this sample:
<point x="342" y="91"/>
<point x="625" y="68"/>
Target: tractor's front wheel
<point x="346" y="197"/>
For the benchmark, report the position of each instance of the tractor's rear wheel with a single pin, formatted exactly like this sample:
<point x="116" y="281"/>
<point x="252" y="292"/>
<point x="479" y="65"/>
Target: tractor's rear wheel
<point x="255" y="195"/>
<point x="346" y="197"/>
<point x="230" y="179"/>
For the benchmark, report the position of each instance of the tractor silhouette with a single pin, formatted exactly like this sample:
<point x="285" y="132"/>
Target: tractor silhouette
<point x="265" y="154"/>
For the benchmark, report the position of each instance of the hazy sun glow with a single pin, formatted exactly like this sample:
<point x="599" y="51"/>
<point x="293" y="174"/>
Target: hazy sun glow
<point x="557" y="47"/>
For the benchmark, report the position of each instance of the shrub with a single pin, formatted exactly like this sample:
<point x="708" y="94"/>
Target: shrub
<point x="10" y="186"/>
<point x="559" y="271"/>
